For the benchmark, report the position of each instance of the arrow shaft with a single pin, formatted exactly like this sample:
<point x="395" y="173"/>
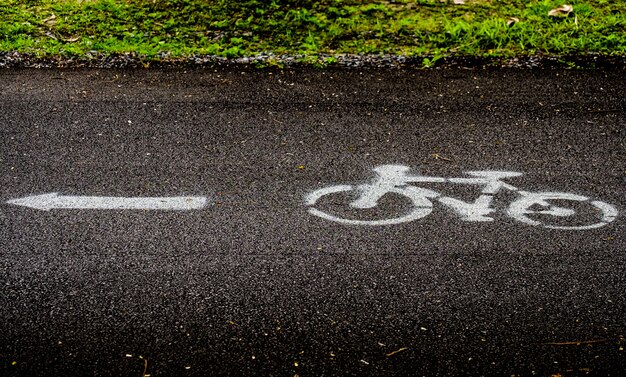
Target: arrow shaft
<point x="180" y="203"/>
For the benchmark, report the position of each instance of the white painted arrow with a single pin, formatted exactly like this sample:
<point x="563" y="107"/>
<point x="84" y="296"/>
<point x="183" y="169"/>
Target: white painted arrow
<point x="46" y="202"/>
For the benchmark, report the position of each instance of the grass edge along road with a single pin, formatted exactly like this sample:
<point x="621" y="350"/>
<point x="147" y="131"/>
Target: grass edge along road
<point x="308" y="31"/>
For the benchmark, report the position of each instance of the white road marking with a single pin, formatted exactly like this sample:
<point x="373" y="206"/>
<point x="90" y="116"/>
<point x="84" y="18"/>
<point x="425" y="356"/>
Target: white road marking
<point x="47" y="202"/>
<point x="396" y="179"/>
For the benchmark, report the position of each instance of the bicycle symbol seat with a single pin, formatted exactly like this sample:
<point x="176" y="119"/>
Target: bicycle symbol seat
<point x="532" y="208"/>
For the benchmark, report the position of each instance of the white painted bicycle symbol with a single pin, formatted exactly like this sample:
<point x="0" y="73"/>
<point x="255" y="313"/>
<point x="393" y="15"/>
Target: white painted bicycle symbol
<point x="532" y="208"/>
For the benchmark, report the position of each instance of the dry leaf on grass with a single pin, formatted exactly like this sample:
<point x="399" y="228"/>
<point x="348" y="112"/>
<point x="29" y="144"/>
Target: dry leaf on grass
<point x="563" y="10"/>
<point x="512" y="21"/>
<point x="50" y="20"/>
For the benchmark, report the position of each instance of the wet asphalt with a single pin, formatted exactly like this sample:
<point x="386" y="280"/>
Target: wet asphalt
<point x="253" y="283"/>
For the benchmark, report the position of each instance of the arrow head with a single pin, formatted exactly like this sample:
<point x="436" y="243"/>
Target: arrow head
<point x="43" y="202"/>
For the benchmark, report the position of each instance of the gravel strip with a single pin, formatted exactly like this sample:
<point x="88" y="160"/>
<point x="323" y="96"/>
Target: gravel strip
<point x="129" y="60"/>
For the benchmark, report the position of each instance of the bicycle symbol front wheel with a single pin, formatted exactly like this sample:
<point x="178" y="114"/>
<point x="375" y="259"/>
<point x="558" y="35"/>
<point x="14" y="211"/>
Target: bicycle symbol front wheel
<point x="421" y="206"/>
<point x="535" y="208"/>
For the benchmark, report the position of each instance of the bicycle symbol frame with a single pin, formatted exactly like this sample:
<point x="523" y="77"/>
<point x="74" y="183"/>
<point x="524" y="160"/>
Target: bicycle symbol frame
<point x="397" y="179"/>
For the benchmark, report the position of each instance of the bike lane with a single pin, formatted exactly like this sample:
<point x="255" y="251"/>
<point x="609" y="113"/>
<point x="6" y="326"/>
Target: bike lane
<point x="253" y="283"/>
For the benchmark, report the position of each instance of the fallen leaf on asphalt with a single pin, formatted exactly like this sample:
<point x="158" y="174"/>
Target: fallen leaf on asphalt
<point x="397" y="351"/>
<point x="437" y="156"/>
<point x="145" y="368"/>
<point x="576" y="343"/>
<point x="563" y="10"/>
<point x="512" y="21"/>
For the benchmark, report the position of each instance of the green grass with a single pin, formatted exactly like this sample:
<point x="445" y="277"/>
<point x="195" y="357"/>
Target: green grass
<point x="424" y="28"/>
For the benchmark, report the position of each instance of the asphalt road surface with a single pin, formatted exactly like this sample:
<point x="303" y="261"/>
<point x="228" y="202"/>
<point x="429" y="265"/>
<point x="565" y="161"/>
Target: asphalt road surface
<point x="312" y="223"/>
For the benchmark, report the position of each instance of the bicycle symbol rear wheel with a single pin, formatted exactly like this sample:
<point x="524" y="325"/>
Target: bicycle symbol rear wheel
<point x="421" y="206"/>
